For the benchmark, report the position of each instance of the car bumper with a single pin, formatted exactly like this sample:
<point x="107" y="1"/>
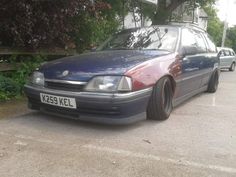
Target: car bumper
<point x="108" y="108"/>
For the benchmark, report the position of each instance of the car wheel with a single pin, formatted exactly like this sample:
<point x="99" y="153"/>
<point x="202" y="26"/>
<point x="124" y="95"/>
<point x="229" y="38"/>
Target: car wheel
<point x="213" y="83"/>
<point x="232" y="68"/>
<point x="160" y="103"/>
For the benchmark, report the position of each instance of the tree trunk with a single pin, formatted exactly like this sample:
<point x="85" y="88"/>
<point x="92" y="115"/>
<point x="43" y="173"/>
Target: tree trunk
<point x="164" y="11"/>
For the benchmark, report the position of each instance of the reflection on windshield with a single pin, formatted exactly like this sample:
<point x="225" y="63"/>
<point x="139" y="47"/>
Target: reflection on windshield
<point x="152" y="38"/>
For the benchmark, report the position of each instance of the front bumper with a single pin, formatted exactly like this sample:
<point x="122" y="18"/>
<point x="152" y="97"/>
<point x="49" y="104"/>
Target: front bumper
<point x="108" y="108"/>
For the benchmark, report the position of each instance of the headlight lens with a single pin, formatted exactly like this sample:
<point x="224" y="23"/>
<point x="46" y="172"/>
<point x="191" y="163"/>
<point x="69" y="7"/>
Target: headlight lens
<point x="37" y="78"/>
<point x="109" y="84"/>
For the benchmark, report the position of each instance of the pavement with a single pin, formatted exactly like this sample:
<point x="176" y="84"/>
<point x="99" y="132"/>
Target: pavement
<point x="198" y="140"/>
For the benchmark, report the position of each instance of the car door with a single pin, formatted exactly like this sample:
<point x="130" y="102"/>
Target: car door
<point x="221" y="55"/>
<point x="211" y="61"/>
<point x="232" y="57"/>
<point x="193" y="51"/>
<point x="226" y="60"/>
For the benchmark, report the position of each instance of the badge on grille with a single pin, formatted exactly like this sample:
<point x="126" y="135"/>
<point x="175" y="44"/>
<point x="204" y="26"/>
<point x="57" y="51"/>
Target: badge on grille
<point x="65" y="73"/>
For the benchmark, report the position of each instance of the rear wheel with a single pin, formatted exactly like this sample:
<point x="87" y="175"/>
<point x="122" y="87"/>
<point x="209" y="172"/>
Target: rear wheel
<point x="232" y="67"/>
<point x="160" y="103"/>
<point x="214" y="82"/>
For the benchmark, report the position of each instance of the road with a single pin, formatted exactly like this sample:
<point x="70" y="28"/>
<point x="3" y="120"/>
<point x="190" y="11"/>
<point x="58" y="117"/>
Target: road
<point x="198" y="140"/>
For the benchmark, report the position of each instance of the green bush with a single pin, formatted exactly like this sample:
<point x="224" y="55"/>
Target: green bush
<point x="8" y="88"/>
<point x="12" y="83"/>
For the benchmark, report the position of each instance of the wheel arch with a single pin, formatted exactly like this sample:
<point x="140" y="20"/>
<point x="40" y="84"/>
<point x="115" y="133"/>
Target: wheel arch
<point x="172" y="80"/>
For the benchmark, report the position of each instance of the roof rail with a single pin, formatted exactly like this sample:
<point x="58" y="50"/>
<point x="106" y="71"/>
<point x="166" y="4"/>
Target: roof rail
<point x="187" y="24"/>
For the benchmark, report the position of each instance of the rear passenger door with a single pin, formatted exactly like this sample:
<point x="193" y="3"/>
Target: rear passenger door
<point x="211" y="61"/>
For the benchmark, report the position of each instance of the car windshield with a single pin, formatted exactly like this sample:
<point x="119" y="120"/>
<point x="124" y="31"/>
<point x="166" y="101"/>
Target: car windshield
<point x="151" y="38"/>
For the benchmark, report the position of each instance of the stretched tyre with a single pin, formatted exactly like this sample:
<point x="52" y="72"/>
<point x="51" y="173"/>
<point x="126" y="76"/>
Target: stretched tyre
<point x="160" y="103"/>
<point x="232" y="67"/>
<point x="213" y="83"/>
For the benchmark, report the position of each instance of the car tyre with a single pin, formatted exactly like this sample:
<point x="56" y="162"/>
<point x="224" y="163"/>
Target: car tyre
<point x="213" y="83"/>
<point x="232" y="67"/>
<point x="160" y="103"/>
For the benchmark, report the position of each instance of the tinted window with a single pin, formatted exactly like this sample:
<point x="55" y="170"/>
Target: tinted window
<point x="152" y="38"/>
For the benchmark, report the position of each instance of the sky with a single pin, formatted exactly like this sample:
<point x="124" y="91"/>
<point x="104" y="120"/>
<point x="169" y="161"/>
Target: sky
<point x="227" y="8"/>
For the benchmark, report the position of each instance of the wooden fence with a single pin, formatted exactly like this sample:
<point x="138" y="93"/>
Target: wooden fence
<point x="4" y="52"/>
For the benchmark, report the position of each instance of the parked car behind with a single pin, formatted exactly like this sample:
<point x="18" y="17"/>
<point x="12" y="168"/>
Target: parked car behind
<point x="227" y="58"/>
<point x="136" y="74"/>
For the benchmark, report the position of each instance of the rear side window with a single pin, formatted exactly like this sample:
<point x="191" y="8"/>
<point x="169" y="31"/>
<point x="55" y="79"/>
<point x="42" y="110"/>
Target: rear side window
<point x="211" y="45"/>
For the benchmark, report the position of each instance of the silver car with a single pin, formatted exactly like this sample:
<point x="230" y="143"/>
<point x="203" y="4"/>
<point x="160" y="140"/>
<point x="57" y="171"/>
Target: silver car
<point x="227" y="58"/>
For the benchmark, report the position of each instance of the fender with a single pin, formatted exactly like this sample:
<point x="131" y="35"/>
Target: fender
<point x="147" y="74"/>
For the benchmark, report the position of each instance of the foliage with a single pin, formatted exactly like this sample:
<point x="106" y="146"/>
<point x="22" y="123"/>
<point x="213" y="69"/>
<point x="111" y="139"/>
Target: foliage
<point x="8" y="88"/>
<point x="35" y="24"/>
<point x="164" y="9"/>
<point x="215" y="26"/>
<point x="12" y="83"/>
<point x="231" y="38"/>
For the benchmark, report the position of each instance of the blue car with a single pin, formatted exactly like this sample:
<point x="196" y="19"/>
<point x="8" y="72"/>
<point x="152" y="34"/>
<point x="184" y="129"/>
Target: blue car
<point x="136" y="74"/>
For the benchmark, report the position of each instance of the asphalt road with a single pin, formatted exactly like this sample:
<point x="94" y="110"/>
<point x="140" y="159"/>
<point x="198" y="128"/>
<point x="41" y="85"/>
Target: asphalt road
<point x="199" y="140"/>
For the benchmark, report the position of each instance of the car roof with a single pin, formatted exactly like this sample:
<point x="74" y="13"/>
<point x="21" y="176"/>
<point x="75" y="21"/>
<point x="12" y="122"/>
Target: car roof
<point x="224" y="48"/>
<point x="171" y="25"/>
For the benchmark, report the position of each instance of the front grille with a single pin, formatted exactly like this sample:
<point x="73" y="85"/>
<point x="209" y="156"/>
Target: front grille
<point x="64" y="86"/>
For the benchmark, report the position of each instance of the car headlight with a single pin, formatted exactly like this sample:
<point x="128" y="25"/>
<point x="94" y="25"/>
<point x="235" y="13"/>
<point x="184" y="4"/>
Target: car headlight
<point x="109" y="84"/>
<point x="37" y="78"/>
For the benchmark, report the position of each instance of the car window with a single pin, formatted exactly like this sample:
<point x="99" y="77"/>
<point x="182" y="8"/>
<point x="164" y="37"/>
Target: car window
<point x="188" y="38"/>
<point x="200" y="42"/>
<point x="227" y="53"/>
<point x="232" y="53"/>
<point x="151" y="38"/>
<point x="211" y="45"/>
<point x="221" y="53"/>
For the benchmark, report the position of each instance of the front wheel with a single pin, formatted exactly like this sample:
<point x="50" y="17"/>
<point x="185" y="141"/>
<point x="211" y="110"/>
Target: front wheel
<point x="160" y="103"/>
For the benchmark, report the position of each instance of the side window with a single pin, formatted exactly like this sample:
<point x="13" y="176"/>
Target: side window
<point x="232" y="53"/>
<point x="201" y="46"/>
<point x="221" y="53"/>
<point x="211" y="45"/>
<point x="227" y="53"/>
<point x="188" y="39"/>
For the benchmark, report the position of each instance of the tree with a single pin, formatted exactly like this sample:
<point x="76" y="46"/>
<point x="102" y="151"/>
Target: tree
<point x="215" y="26"/>
<point x="35" y="24"/>
<point x="231" y="38"/>
<point x="164" y="9"/>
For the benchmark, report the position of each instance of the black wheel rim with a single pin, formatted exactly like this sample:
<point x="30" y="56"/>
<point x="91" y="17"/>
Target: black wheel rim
<point x="167" y="97"/>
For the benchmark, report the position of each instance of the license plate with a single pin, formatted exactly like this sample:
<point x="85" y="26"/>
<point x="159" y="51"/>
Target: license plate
<point x="65" y="102"/>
